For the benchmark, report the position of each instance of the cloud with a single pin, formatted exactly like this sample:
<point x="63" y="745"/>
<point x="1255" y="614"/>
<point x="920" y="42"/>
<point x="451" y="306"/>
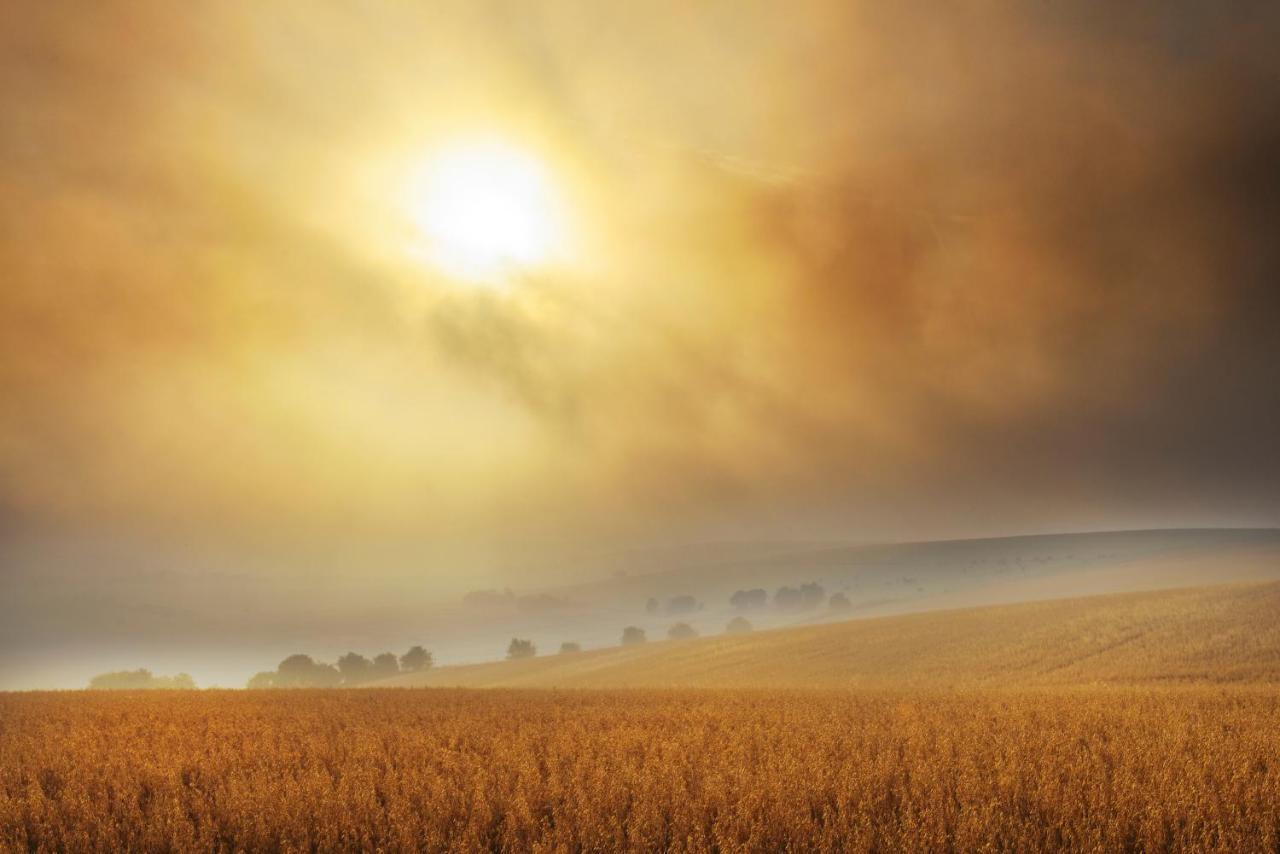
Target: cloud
<point x="899" y="270"/>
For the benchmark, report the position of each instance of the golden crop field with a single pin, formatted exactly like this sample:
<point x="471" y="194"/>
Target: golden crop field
<point x="524" y="770"/>
<point x="1226" y="634"/>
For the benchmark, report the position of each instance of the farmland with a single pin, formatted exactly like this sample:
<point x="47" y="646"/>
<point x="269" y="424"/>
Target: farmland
<point x="1137" y="721"/>
<point x="1228" y="634"/>
<point x="519" y="770"/>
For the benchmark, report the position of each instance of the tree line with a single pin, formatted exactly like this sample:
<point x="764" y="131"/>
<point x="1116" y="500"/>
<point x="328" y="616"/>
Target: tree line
<point x="351" y="670"/>
<point x="140" y="680"/>
<point x="806" y="597"/>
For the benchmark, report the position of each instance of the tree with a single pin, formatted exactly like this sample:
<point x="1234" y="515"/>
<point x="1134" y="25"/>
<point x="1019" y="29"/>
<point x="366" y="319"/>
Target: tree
<point x="296" y="671"/>
<point x="839" y="602"/>
<point x="738" y="626"/>
<point x="301" y="671"/>
<point x="265" y="679"/>
<point x="416" y="660"/>
<point x="140" y="679"/>
<point x="521" y="649"/>
<point x="682" y="631"/>
<point x="633" y="634"/>
<point x="570" y="647"/>
<point x="787" y="599"/>
<point x="385" y="665"/>
<point x="651" y="607"/>
<point x="677" y="605"/>
<point x="743" y="600"/>
<point x="811" y="595"/>
<point x="355" y="668"/>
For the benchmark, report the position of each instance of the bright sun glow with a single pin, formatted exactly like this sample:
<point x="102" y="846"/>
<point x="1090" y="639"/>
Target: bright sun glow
<point x="486" y="210"/>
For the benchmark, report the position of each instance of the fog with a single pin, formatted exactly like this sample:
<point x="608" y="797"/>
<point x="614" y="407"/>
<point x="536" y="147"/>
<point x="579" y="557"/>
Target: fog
<point x="853" y="273"/>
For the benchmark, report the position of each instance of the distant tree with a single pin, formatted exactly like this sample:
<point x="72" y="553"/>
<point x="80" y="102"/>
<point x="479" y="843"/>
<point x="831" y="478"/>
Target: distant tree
<point x="745" y="600"/>
<point x="738" y="626"/>
<point x="521" y="649"/>
<point x="416" y="660"/>
<point x="839" y="602"/>
<point x="325" y="676"/>
<point x="632" y="634"/>
<point x="811" y="595"/>
<point x="355" y="669"/>
<point x="265" y="679"/>
<point x="121" y="680"/>
<point x="301" y="671"/>
<point x="569" y="647"/>
<point x="678" y="605"/>
<point x="296" y="671"/>
<point x="385" y="665"/>
<point x="296" y="664"/>
<point x="140" y="679"/>
<point x="807" y="596"/>
<point x="787" y="599"/>
<point x="651" y="607"/>
<point x="682" y="631"/>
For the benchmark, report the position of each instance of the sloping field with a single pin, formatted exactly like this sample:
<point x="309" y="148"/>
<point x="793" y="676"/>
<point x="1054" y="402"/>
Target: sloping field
<point x="1210" y="635"/>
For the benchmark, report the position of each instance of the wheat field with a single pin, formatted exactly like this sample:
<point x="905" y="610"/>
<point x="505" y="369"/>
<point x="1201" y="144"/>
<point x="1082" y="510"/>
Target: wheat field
<point x="1226" y="634"/>
<point x="683" y="770"/>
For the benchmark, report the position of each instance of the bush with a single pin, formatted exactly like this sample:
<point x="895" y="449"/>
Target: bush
<point x="839" y="602"/>
<point x="569" y="647"/>
<point x="519" y="648"/>
<point x="633" y="634"/>
<point x="682" y="631"/>
<point x="738" y="626"/>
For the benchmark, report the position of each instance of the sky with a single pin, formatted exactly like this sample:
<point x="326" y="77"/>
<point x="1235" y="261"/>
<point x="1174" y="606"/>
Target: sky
<point x="848" y="272"/>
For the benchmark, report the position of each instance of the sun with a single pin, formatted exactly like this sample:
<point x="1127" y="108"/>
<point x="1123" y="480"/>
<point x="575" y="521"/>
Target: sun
<point x="486" y="211"/>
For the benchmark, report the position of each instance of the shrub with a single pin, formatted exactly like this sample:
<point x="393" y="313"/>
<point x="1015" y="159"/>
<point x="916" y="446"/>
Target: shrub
<point x="570" y="647"/>
<point x="633" y="634"/>
<point x="839" y="602"/>
<point x="738" y="626"/>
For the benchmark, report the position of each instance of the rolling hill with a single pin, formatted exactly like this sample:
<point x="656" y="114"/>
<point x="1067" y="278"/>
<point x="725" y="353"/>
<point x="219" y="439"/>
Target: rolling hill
<point x="1208" y="635"/>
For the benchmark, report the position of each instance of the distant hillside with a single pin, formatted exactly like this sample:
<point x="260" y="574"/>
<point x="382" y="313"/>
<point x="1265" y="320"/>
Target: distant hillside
<point x="1223" y="634"/>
